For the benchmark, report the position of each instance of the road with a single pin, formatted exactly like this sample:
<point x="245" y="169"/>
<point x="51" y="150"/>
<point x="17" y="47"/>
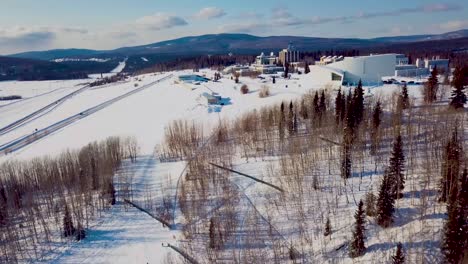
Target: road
<point x="28" y="139"/>
<point x="34" y="114"/>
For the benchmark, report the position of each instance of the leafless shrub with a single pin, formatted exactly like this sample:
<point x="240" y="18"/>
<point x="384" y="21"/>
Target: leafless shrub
<point x="244" y="89"/>
<point x="264" y="92"/>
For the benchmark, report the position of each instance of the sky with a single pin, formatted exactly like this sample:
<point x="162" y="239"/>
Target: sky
<point x="27" y="25"/>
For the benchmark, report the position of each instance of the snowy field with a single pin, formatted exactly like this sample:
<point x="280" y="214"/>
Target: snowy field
<point x="145" y="114"/>
<point x="124" y="234"/>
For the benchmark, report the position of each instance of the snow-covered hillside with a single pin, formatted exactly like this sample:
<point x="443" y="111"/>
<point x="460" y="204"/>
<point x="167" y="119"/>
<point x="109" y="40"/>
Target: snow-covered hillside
<point x="126" y="235"/>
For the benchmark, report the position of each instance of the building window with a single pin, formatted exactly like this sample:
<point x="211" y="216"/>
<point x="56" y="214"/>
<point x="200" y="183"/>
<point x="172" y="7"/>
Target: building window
<point x="335" y="77"/>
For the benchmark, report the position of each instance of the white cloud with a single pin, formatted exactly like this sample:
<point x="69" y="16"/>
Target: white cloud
<point x="210" y="13"/>
<point x="21" y="38"/>
<point x="454" y="25"/>
<point x="160" y="21"/>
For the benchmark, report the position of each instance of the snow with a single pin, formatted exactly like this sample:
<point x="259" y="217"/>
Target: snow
<point x="116" y="70"/>
<point x="119" y="67"/>
<point x="72" y="59"/>
<point x="35" y="96"/>
<point x="124" y="234"/>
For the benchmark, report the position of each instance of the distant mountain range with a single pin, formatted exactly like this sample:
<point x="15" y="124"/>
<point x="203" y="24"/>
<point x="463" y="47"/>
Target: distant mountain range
<point x="77" y="63"/>
<point x="235" y="43"/>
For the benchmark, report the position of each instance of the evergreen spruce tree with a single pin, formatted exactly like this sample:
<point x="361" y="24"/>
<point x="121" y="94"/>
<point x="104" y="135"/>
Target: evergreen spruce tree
<point x="458" y="94"/>
<point x="68" y="228"/>
<point x="346" y="161"/>
<point x="212" y="234"/>
<point x="404" y="97"/>
<point x="327" y="231"/>
<point x="350" y="116"/>
<point x="316" y="105"/>
<point x="304" y="112"/>
<point x="431" y="87"/>
<point x="463" y="205"/>
<point x="281" y="122"/>
<point x="306" y="68"/>
<point x="399" y="257"/>
<point x="397" y="167"/>
<point x="343" y="106"/>
<point x="452" y="241"/>
<point x="322" y="103"/>
<point x="358" y="104"/>
<point x="357" y="247"/>
<point x="450" y="166"/>
<point x="111" y="191"/>
<point x="80" y="232"/>
<point x="286" y="70"/>
<point x="385" y="202"/>
<point x="376" y="121"/>
<point x="291" y="118"/>
<point x="338" y="107"/>
<point x="295" y="124"/>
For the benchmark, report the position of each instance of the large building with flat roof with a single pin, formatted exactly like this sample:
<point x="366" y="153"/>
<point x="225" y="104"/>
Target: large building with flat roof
<point x="349" y="70"/>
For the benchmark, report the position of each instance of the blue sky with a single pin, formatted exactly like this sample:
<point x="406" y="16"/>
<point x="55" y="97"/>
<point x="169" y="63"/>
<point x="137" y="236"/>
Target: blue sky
<point x="105" y="24"/>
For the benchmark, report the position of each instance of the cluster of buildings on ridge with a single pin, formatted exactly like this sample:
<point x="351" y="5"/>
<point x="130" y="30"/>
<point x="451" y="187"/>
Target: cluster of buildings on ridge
<point x="344" y="70"/>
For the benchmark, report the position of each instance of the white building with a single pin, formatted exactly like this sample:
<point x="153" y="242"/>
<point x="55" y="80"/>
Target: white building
<point x="266" y="64"/>
<point x="289" y="55"/>
<point x="401" y="59"/>
<point x="441" y="64"/>
<point x="263" y="59"/>
<point x="410" y="70"/>
<point x="430" y="64"/>
<point x="368" y="69"/>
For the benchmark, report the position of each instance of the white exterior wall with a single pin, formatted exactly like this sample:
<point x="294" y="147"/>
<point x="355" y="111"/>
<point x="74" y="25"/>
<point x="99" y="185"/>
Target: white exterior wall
<point x="321" y="75"/>
<point x="369" y="69"/>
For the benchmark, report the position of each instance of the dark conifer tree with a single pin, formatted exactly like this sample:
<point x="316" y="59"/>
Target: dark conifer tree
<point x="376" y="121"/>
<point x="286" y="70"/>
<point x="212" y="234"/>
<point x="346" y="161"/>
<point x="404" y="97"/>
<point x="291" y="118"/>
<point x="452" y="240"/>
<point x="304" y="112"/>
<point x="327" y="230"/>
<point x="397" y="167"/>
<point x="80" y="232"/>
<point x="3" y="206"/>
<point x="451" y="166"/>
<point x="322" y="103"/>
<point x="295" y="124"/>
<point x="316" y="105"/>
<point x="399" y="257"/>
<point x="68" y="228"/>
<point x="458" y="93"/>
<point x="111" y="190"/>
<point x="306" y="68"/>
<point x="463" y="204"/>
<point x="357" y="247"/>
<point x="281" y="122"/>
<point x="338" y="107"/>
<point x="273" y="79"/>
<point x="385" y="202"/>
<point x="358" y="104"/>
<point x="350" y="116"/>
<point x="431" y="87"/>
